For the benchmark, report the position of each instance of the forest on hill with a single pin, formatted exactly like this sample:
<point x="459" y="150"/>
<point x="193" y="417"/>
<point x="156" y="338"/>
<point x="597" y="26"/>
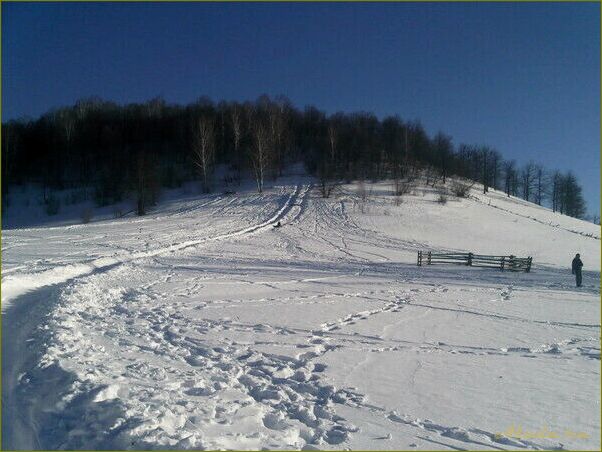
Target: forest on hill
<point x="114" y="151"/>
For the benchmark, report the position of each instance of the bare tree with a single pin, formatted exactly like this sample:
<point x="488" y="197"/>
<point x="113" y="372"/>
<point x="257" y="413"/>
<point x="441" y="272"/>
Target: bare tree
<point x="404" y="178"/>
<point x="222" y="109"/>
<point x="155" y="107"/>
<point x="571" y="197"/>
<point x="443" y="148"/>
<point x="146" y="184"/>
<point x="204" y="149"/>
<point x="278" y="112"/>
<point x="496" y="159"/>
<point x="485" y="170"/>
<point x="556" y="190"/>
<point x="9" y="150"/>
<point x="67" y="123"/>
<point x="326" y="178"/>
<point x="514" y="184"/>
<point x="235" y="118"/>
<point x="83" y="107"/>
<point x="461" y="188"/>
<point x="509" y="167"/>
<point x="432" y="175"/>
<point x="260" y="151"/>
<point x="406" y="147"/>
<point x="528" y="179"/>
<point x="540" y="184"/>
<point x="327" y="166"/>
<point x="332" y="141"/>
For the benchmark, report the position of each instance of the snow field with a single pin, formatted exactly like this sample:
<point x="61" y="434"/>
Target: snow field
<point x="206" y="328"/>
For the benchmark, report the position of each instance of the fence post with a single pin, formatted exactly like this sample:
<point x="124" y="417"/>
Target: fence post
<point x="512" y="264"/>
<point x="429" y="258"/>
<point x="469" y="258"/>
<point x="419" y="263"/>
<point x="503" y="258"/>
<point x="528" y="269"/>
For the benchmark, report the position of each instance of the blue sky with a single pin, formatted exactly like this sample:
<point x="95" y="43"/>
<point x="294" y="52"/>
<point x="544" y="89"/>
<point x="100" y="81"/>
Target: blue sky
<point x="523" y="78"/>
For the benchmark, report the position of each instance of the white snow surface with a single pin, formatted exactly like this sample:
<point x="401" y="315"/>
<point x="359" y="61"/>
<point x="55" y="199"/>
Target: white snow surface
<point x="201" y="326"/>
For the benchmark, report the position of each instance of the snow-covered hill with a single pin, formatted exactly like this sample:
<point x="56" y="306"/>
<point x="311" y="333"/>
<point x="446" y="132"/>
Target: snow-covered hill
<point x="202" y="326"/>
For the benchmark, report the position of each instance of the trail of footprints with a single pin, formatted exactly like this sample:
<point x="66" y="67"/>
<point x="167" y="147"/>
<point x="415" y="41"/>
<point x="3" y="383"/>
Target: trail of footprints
<point x="291" y="391"/>
<point x="288" y="388"/>
<point x="392" y="306"/>
<point x="473" y="436"/>
<point x="209" y="383"/>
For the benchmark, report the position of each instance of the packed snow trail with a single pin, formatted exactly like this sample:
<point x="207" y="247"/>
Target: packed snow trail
<point x="320" y="334"/>
<point x="15" y="285"/>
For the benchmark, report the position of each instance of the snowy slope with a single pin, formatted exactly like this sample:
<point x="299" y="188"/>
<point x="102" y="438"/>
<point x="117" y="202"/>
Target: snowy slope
<point x="201" y="326"/>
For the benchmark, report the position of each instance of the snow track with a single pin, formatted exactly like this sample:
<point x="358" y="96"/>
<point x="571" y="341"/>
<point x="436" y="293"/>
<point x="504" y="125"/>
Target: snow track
<point x="15" y="285"/>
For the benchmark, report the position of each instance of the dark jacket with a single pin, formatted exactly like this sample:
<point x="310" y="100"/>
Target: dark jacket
<point x="577" y="264"/>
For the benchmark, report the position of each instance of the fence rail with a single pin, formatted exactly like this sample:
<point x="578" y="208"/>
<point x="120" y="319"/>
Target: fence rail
<point x="511" y="263"/>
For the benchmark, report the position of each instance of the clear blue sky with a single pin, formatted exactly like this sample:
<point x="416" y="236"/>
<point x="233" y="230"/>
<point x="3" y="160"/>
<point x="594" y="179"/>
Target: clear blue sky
<point x="524" y="78"/>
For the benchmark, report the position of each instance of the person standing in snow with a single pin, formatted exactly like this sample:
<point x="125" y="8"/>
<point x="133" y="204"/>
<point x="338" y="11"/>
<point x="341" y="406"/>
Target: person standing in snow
<point x="577" y="264"/>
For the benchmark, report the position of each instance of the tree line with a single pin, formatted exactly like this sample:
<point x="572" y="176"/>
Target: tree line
<point x="118" y="150"/>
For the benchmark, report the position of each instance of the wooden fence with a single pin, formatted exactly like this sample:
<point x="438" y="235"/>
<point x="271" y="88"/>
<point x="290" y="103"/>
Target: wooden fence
<point x="511" y="263"/>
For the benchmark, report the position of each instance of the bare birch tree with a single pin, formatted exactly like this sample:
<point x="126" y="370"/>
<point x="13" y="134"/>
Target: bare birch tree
<point x="204" y="149"/>
<point x="260" y="151"/>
